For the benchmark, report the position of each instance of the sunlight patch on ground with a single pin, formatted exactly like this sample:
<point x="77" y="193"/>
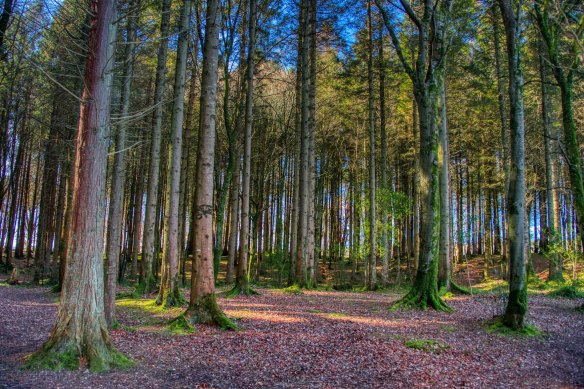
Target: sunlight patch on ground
<point x="272" y="316"/>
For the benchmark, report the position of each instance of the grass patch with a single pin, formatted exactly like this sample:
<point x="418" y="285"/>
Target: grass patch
<point x="315" y="311"/>
<point x="293" y="289"/>
<point x="567" y="291"/>
<point x="336" y="315"/>
<point x="448" y="328"/>
<point x="497" y="327"/>
<point x="427" y="345"/>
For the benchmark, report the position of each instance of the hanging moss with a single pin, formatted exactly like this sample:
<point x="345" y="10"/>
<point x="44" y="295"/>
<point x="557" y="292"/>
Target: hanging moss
<point x="206" y="311"/>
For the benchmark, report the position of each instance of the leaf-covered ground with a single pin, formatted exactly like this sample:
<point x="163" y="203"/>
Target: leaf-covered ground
<point x="313" y="340"/>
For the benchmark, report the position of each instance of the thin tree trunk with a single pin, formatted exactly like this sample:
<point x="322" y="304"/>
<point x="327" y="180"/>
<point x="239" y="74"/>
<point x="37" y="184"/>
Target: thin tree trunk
<point x="147" y="280"/>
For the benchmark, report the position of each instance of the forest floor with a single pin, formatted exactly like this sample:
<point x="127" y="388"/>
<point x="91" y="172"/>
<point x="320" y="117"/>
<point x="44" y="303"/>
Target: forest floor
<point x="318" y="339"/>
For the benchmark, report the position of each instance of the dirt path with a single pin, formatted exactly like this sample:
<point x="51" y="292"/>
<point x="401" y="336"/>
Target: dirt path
<point x="314" y="340"/>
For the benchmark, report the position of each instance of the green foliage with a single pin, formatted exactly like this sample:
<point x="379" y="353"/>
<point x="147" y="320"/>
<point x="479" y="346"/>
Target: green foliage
<point x="427" y="345"/>
<point x="568" y="291"/>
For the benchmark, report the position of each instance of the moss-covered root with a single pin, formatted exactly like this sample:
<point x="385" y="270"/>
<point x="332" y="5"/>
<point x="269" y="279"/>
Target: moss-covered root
<point x="498" y="326"/>
<point x="169" y="299"/>
<point x="455" y="288"/>
<point x="422" y="298"/>
<point x="100" y="358"/>
<point x="181" y="326"/>
<point x="240" y="290"/>
<point x="206" y="311"/>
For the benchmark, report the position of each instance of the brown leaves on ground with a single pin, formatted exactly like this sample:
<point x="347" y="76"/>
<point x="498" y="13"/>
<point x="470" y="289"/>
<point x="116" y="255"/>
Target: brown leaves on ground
<point x="317" y="340"/>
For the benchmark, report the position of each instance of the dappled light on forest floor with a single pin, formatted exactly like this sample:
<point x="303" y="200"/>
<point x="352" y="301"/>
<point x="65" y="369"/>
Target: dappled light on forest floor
<point x="317" y="339"/>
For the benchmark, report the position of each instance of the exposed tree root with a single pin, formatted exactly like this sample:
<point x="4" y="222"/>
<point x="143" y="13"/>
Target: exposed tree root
<point x="422" y="298"/>
<point x="239" y="290"/>
<point x="455" y="288"/>
<point x="206" y="311"/>
<point x="181" y="326"/>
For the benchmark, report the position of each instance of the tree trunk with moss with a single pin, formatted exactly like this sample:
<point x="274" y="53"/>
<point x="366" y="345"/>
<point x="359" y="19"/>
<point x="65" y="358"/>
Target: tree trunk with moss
<point x="562" y="34"/>
<point x="147" y="281"/>
<point x="80" y="332"/>
<point x="203" y="306"/>
<point x="169" y="294"/>
<point x="516" y="309"/>
<point x="426" y="75"/>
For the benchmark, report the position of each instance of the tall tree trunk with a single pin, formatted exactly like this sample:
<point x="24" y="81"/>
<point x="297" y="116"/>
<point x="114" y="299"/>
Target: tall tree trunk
<point x="116" y="203"/>
<point x="303" y="186"/>
<point x="517" y="304"/>
<point x="80" y="330"/>
<point x="242" y="286"/>
<point x="203" y="306"/>
<point x="372" y="263"/>
<point x="384" y="175"/>
<point x="146" y="274"/>
<point x="169" y="294"/>
<point x="444" y="261"/>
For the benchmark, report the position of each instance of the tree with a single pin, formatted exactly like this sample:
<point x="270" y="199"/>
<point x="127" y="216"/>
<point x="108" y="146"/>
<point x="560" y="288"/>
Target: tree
<point x="203" y="306"/>
<point x="242" y="276"/>
<point x="80" y="330"/>
<point x="169" y="294"/>
<point x="426" y="75"/>
<point x="372" y="265"/>
<point x="561" y="26"/>
<point x="147" y="280"/>
<point x="517" y="304"/>
<point x="114" y="228"/>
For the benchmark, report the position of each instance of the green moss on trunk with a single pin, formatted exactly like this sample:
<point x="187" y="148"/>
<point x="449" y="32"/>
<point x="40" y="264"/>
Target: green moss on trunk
<point x="170" y="298"/>
<point x="100" y="358"/>
<point x="181" y="326"/>
<point x="423" y="295"/>
<point x="514" y="316"/>
<point x="147" y="286"/>
<point x="241" y="288"/>
<point x="206" y="311"/>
